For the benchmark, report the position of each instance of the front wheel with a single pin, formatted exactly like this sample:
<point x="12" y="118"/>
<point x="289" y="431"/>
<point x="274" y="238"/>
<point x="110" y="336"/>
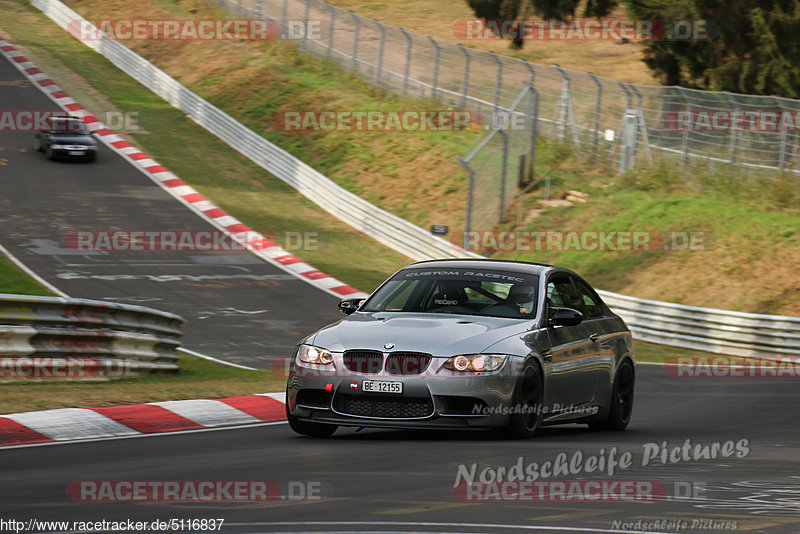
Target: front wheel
<point x="619" y="414"/>
<point x="319" y="430"/>
<point x="527" y="404"/>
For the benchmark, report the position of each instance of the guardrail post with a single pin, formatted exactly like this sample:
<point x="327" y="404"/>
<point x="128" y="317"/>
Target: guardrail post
<point x="598" y="107"/>
<point x="465" y="85"/>
<point x="259" y="13"/>
<point x="437" y="52"/>
<point x="498" y="81"/>
<point x="285" y="17"/>
<point x="468" y="224"/>
<point x="379" y="70"/>
<point x="408" y="60"/>
<point x="333" y="28"/>
<point x="239" y="8"/>
<point x="357" y="21"/>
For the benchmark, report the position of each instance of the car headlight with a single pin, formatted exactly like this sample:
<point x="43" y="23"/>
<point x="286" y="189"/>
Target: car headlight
<point x="58" y="147"/>
<point x="312" y="354"/>
<point x="474" y="363"/>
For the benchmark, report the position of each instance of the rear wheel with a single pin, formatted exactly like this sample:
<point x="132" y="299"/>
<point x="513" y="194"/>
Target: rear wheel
<point x="320" y="430"/>
<point x="619" y="414"/>
<point x="527" y="404"/>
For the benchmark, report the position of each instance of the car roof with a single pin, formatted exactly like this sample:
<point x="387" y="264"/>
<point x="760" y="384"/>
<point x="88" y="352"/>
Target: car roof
<point x="491" y="264"/>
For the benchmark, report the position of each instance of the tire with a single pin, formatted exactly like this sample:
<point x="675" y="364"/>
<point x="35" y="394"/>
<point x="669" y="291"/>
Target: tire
<point x="619" y="414"/>
<point x="528" y="395"/>
<point x="319" y="430"/>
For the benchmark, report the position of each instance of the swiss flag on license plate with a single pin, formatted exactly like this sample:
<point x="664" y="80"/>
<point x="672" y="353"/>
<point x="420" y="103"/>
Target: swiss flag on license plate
<point x="353" y="385"/>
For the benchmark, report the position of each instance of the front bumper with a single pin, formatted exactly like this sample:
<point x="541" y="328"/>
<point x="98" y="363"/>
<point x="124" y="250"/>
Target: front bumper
<point x="428" y="401"/>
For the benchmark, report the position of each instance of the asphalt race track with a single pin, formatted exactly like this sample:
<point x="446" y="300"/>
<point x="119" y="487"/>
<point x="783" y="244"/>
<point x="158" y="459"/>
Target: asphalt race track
<point x="397" y="481"/>
<point x="238" y="307"/>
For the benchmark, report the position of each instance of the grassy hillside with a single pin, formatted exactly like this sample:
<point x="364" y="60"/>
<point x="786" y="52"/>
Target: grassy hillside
<point x="749" y="262"/>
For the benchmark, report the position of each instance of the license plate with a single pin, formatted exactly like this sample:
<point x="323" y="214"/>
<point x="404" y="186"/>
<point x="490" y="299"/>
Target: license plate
<point x="76" y="153"/>
<point x="381" y="386"/>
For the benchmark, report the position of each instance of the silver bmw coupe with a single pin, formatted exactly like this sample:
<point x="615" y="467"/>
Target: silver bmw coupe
<point x="467" y="344"/>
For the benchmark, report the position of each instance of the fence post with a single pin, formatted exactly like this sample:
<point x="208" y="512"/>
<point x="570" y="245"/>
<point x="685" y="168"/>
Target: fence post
<point x="733" y="131"/>
<point x="784" y="136"/>
<point x="686" y="131"/>
<point x="498" y="81"/>
<point x="408" y="60"/>
<point x="598" y="107"/>
<point x="564" y="110"/>
<point x="357" y="21"/>
<point x="379" y="70"/>
<point x="502" y="214"/>
<point x="436" y="55"/>
<point x="333" y="28"/>
<point x="468" y="225"/>
<point x="305" y="23"/>
<point x="641" y="125"/>
<point x="628" y="133"/>
<point x="465" y="85"/>
<point x="285" y="17"/>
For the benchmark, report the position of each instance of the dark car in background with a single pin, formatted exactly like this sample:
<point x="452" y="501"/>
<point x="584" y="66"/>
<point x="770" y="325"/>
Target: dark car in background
<point x="66" y="137"/>
<point x="467" y="344"/>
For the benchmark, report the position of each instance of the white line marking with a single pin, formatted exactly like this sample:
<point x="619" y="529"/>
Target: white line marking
<point x="207" y="412"/>
<point x="211" y="358"/>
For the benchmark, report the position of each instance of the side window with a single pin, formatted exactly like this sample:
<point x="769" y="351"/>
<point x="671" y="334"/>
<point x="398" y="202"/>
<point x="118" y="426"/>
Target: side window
<point x="592" y="307"/>
<point x="561" y="292"/>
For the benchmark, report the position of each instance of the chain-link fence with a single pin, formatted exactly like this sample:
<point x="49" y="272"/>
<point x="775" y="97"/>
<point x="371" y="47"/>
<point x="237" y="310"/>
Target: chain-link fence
<point x="597" y="115"/>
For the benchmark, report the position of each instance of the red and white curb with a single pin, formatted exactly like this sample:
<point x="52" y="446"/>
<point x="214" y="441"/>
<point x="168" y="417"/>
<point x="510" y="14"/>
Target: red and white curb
<point x="238" y="231"/>
<point x="76" y="424"/>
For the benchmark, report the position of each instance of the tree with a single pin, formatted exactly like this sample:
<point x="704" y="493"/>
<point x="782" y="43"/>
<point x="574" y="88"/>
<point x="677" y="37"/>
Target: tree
<point x="547" y="9"/>
<point x="752" y="48"/>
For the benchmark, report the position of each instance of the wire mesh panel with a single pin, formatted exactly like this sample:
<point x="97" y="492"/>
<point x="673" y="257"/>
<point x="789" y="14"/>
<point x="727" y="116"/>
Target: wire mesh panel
<point x="628" y="122"/>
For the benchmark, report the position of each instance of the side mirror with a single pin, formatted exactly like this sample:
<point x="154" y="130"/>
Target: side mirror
<point x="564" y="317"/>
<point x="348" y="306"/>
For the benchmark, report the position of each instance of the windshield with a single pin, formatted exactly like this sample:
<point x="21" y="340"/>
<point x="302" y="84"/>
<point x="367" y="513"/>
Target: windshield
<point x="460" y="291"/>
<point x="61" y="126"/>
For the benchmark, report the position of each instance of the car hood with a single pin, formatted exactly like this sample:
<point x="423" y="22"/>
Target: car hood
<point x="437" y="334"/>
<point x="73" y="140"/>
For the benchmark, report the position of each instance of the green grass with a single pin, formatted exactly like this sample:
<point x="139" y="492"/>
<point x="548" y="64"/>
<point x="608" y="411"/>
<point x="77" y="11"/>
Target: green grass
<point x="13" y="280"/>
<point x="197" y="378"/>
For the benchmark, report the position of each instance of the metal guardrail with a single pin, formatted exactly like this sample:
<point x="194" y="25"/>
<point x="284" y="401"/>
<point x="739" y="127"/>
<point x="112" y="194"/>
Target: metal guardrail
<point x="54" y="338"/>
<point x="677" y="325"/>
<point x="708" y="329"/>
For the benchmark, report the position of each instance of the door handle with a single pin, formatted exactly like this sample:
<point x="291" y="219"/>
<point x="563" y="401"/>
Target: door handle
<point x="594" y="336"/>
